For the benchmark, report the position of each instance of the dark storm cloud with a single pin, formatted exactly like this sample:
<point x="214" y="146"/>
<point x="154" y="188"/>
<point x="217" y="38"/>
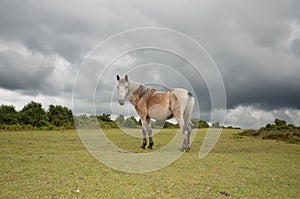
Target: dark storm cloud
<point x="44" y="28"/>
<point x="34" y="73"/>
<point x="69" y="28"/>
<point x="18" y="73"/>
<point x="295" y="46"/>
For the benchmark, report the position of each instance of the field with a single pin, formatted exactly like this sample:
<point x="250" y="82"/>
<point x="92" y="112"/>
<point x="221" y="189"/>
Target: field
<point x="55" y="164"/>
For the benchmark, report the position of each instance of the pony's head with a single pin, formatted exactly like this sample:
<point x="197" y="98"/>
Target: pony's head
<point x="122" y="88"/>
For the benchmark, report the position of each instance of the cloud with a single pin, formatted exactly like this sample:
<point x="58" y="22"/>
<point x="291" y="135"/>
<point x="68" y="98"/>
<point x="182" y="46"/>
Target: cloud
<point x="34" y="73"/>
<point x="254" y="117"/>
<point x="295" y="46"/>
<point x="21" y="73"/>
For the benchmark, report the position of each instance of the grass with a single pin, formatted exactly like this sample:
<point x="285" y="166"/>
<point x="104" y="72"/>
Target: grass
<point x="54" y="164"/>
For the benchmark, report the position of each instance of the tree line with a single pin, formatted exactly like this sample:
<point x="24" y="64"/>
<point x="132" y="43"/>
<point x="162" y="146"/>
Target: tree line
<point x="34" y="117"/>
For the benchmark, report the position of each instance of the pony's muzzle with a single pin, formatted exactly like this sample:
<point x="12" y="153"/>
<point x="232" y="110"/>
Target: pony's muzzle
<point x="121" y="102"/>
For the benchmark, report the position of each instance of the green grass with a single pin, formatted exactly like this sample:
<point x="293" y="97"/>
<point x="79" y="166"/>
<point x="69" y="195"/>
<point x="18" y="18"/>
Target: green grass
<point x="53" y="164"/>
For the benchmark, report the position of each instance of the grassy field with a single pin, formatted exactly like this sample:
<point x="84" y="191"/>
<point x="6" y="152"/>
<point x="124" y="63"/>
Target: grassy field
<point x="52" y="164"/>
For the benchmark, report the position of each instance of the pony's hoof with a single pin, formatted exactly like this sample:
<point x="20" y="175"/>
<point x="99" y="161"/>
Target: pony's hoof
<point x="143" y="147"/>
<point x="184" y="149"/>
<point x="150" y="145"/>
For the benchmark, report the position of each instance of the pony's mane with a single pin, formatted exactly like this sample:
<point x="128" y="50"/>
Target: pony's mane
<point x="142" y="90"/>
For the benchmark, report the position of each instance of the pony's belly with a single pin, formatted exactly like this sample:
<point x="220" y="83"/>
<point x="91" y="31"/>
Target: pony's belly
<point x="159" y="112"/>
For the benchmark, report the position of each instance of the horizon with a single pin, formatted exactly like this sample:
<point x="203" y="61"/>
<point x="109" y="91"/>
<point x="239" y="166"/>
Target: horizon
<point x="114" y="116"/>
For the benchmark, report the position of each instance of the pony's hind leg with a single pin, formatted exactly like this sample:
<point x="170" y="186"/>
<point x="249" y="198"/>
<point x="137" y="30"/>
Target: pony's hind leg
<point x="186" y="142"/>
<point x="186" y="133"/>
<point x="176" y="110"/>
<point x="187" y="138"/>
<point x="182" y="104"/>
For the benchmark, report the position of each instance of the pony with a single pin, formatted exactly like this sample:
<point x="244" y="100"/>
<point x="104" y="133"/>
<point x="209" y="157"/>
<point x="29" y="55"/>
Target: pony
<point x="151" y="103"/>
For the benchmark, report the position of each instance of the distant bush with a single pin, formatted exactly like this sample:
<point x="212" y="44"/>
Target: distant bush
<point x="279" y="125"/>
<point x="278" y="130"/>
<point x="288" y="135"/>
<point x="231" y="127"/>
<point x="197" y="123"/>
<point x="86" y="122"/>
<point x="131" y="122"/>
<point x="251" y="132"/>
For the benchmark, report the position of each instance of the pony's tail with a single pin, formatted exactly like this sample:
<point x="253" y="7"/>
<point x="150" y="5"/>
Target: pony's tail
<point x="187" y="114"/>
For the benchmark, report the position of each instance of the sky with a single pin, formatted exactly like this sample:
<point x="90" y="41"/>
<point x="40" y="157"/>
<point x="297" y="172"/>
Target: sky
<point x="69" y="52"/>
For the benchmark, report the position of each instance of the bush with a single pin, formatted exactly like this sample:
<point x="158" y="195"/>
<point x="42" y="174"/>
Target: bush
<point x="131" y="122"/>
<point x="250" y="132"/>
<point x="279" y="130"/>
<point x="8" y="115"/>
<point x="60" y="116"/>
<point x="33" y="114"/>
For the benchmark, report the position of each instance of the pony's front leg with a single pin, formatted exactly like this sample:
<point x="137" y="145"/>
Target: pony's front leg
<point x="149" y="129"/>
<point x="151" y="143"/>
<point x="144" y="130"/>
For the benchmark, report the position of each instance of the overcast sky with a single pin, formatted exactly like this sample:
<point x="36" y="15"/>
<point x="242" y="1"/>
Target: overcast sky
<point x="255" y="46"/>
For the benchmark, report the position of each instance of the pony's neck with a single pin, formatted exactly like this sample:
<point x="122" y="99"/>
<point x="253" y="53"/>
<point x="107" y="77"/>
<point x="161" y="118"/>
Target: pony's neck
<point x="132" y="86"/>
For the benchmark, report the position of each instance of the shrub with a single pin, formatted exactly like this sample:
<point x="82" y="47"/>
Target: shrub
<point x="250" y="132"/>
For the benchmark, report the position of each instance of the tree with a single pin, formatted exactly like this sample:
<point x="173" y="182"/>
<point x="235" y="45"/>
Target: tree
<point x="216" y="125"/>
<point x="203" y="124"/>
<point x="131" y="122"/>
<point x="104" y="118"/>
<point x="279" y="122"/>
<point x="134" y="120"/>
<point x="120" y="120"/>
<point x="60" y="116"/>
<point x="8" y="114"/>
<point x="33" y="114"/>
<point x="169" y="125"/>
<point x="197" y="123"/>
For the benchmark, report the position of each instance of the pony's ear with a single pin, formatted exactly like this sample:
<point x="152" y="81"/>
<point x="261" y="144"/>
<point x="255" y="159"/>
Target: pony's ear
<point x="118" y="77"/>
<point x="126" y="78"/>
